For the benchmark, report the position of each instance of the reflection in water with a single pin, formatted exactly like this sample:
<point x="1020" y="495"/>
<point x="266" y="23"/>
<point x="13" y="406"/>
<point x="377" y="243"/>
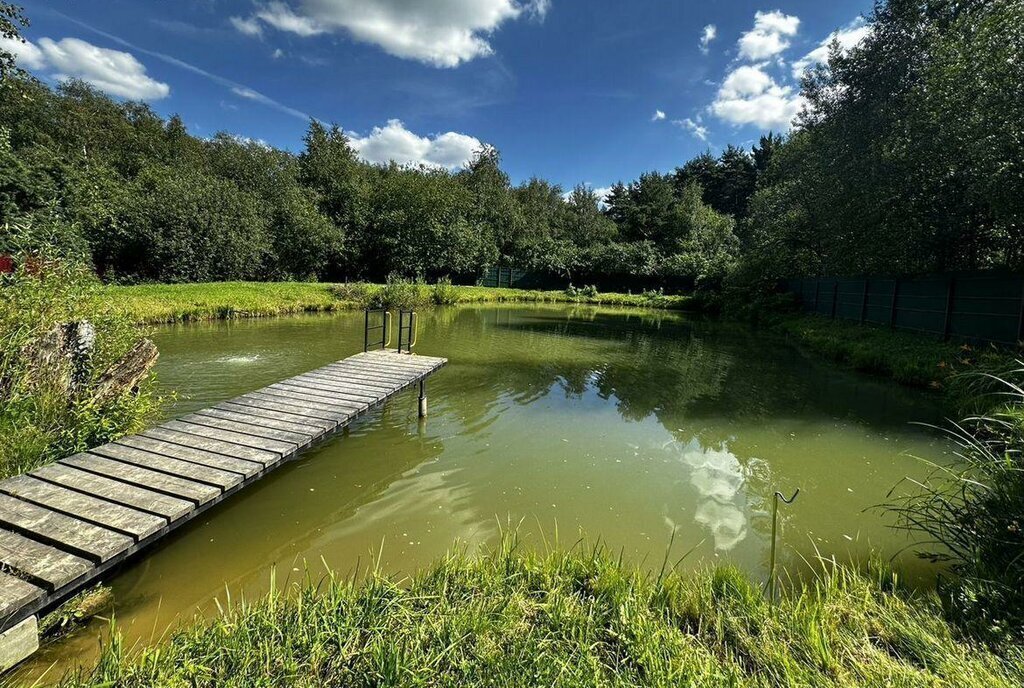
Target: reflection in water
<point x="718" y="477"/>
<point x="628" y="426"/>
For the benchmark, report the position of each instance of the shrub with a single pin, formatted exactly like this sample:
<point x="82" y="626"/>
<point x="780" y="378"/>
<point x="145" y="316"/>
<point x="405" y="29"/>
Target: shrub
<point x="444" y="294"/>
<point x="51" y="406"/>
<point x="399" y="292"/>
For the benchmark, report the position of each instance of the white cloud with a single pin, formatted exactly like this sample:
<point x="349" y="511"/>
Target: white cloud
<point x="277" y="54"/>
<point x="658" y="116"/>
<point x="248" y="26"/>
<point x="694" y="127"/>
<point x="112" y="71"/>
<point x="709" y="34"/>
<point x="393" y="142"/>
<point x="769" y="35"/>
<point x="848" y="37"/>
<point x="443" y="33"/>
<point x="283" y="18"/>
<point x="26" y="55"/>
<point x="751" y="96"/>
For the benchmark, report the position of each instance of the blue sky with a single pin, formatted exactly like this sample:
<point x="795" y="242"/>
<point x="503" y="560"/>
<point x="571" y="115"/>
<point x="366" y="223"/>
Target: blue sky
<point x="567" y="90"/>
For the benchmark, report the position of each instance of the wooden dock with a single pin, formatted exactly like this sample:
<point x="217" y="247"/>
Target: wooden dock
<point x="64" y="525"/>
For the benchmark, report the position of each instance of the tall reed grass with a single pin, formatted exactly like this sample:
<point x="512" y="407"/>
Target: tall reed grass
<point x="970" y="513"/>
<point x="580" y="617"/>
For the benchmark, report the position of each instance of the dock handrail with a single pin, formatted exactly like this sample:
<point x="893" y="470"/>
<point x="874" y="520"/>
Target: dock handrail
<point x="384" y="327"/>
<point x="407" y="323"/>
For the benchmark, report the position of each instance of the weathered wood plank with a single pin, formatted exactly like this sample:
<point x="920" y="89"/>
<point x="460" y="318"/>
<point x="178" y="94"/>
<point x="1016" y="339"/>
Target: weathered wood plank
<point x="267" y="413"/>
<point x="266" y="420"/>
<point x="272" y="446"/>
<point x="342" y="380"/>
<point x="165" y="464"/>
<point x="15" y="594"/>
<point x="199" y="493"/>
<point x="262" y="401"/>
<point x="367" y="369"/>
<point x="171" y="508"/>
<point x="308" y="401"/>
<point x="399" y="361"/>
<point x="340" y="387"/>
<point x="177" y="451"/>
<point x="353" y="374"/>
<point x="85" y="539"/>
<point x="47" y="565"/>
<point x="137" y="524"/>
<point x="332" y="396"/>
<point x="250" y="427"/>
<point x="213" y="444"/>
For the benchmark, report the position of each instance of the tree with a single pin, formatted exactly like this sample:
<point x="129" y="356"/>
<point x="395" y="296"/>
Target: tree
<point x="12" y="20"/>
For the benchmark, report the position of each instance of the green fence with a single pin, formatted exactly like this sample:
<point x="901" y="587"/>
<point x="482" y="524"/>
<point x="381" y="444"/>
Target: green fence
<point x="979" y="308"/>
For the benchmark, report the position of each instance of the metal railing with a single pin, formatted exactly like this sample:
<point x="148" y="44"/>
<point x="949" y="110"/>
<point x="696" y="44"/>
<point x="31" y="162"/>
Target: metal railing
<point x="407" y="321"/>
<point x="384" y="326"/>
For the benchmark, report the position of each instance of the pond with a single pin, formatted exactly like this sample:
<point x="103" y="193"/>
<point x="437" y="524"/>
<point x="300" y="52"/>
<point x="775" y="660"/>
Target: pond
<point x="656" y="433"/>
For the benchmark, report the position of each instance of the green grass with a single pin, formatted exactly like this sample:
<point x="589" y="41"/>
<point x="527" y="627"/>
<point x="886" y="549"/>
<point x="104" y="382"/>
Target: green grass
<point x="161" y="303"/>
<point x="908" y="358"/>
<point x="579" y="618"/>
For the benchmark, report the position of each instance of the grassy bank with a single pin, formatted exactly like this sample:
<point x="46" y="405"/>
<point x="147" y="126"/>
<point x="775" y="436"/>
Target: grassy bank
<point x="908" y="358"/>
<point x="161" y="303"/>
<point x="568" y="619"/>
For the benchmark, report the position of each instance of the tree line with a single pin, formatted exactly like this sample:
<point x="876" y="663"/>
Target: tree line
<point x="909" y="157"/>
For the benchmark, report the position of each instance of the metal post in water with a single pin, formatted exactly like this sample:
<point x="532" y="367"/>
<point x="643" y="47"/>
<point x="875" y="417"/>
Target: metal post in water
<point x="423" y="398"/>
<point x="771" y="557"/>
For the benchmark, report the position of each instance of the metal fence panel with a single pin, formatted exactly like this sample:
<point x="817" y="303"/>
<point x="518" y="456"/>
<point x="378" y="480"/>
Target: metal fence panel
<point x="978" y="307"/>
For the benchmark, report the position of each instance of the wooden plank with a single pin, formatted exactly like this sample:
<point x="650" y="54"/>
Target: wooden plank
<point x="357" y="374"/>
<point x="176" y="451"/>
<point x="264" y="421"/>
<point x="165" y="464"/>
<point x="266" y="444"/>
<point x="388" y="374"/>
<point x="343" y="380"/>
<point x="45" y="565"/>
<point x="263" y="414"/>
<point x="137" y="524"/>
<point x="262" y="401"/>
<point x="85" y="539"/>
<point x="399" y="362"/>
<point x="115" y="491"/>
<point x="342" y="387"/>
<point x="398" y="380"/>
<point x="199" y="493"/>
<point x="213" y="444"/>
<point x="250" y="427"/>
<point x="15" y="594"/>
<point x="309" y="401"/>
<point x="349" y="390"/>
<point x="330" y="395"/>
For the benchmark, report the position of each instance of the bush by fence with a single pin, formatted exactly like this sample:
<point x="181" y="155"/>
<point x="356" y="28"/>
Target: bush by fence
<point x="978" y="307"/>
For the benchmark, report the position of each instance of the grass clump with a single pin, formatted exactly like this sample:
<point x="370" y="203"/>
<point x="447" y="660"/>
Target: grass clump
<point x="50" y="400"/>
<point x="908" y="358"/>
<point x="576" y="618"/>
<point x="970" y="514"/>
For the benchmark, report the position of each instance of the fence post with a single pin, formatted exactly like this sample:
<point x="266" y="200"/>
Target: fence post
<point x="835" y="297"/>
<point x="864" y="302"/>
<point x="1020" y="319"/>
<point x="950" y="296"/>
<point x="817" y="292"/>
<point x="892" y="309"/>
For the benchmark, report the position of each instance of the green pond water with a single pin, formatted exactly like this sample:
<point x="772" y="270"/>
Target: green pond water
<point x="620" y="425"/>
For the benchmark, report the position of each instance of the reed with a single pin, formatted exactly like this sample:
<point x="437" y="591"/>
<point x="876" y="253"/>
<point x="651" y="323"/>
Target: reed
<point x="576" y="617"/>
